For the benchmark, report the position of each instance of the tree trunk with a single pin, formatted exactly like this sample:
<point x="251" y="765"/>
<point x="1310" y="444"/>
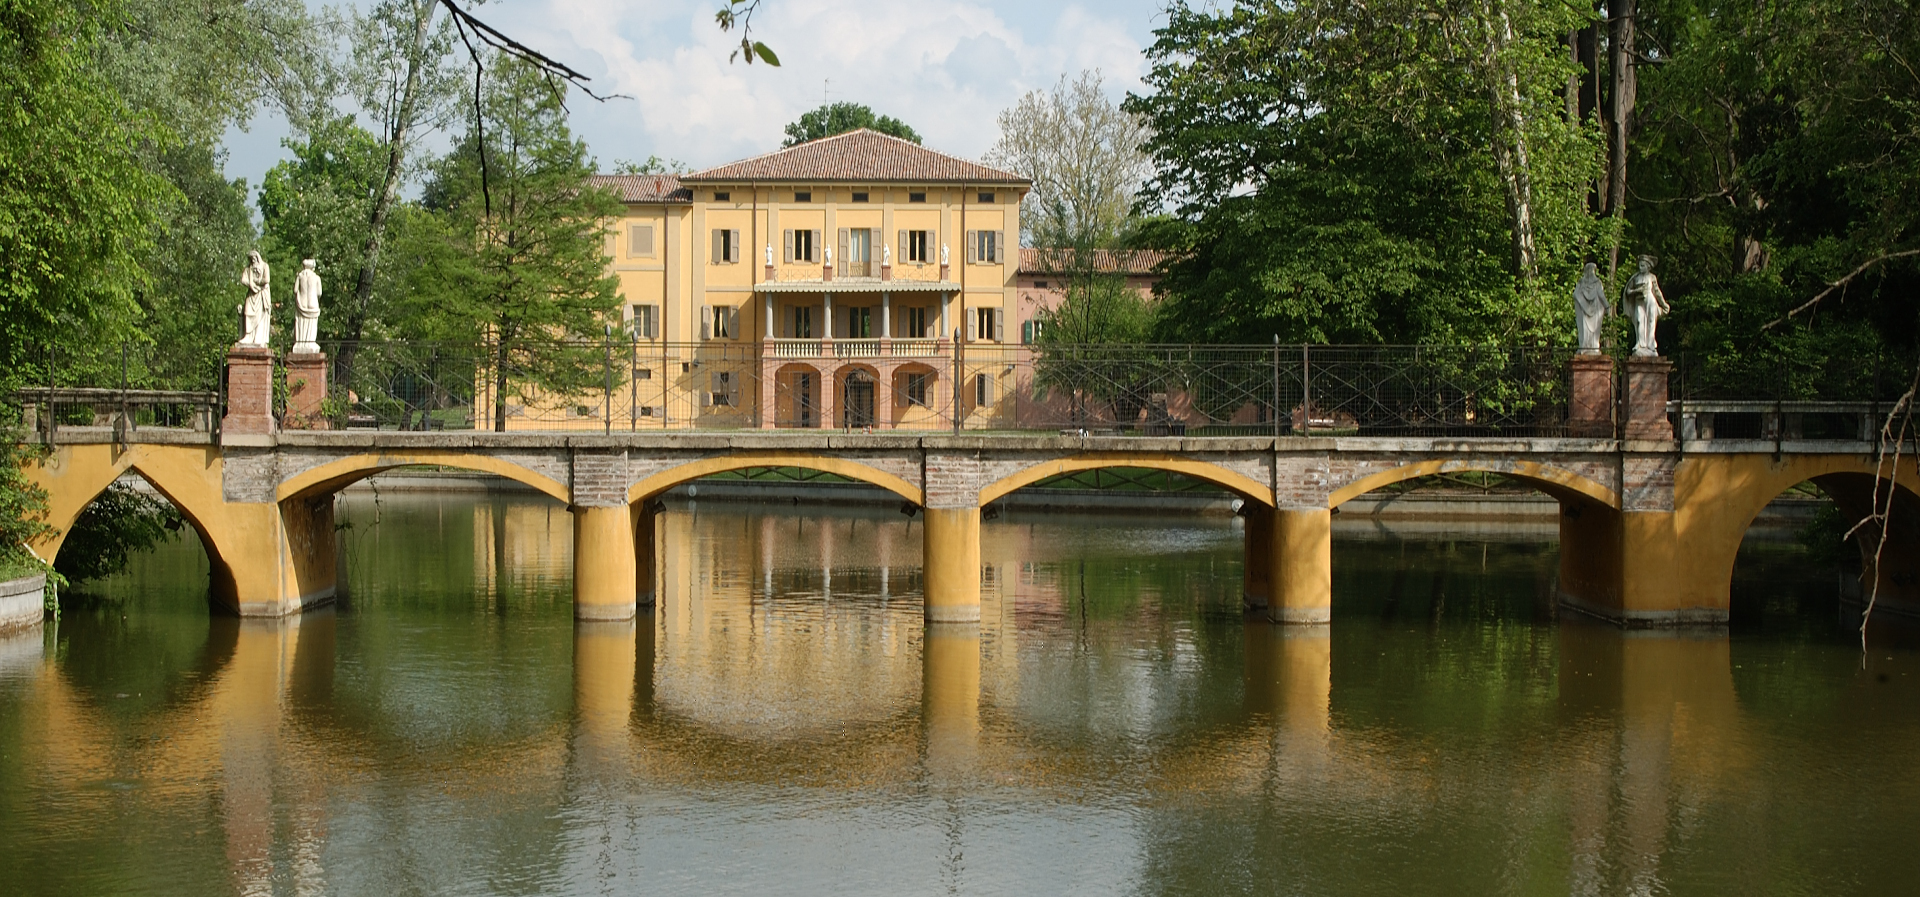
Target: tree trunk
<point x="1510" y="150"/>
<point x="401" y="127"/>
<point x="1620" y="15"/>
<point x="1587" y="54"/>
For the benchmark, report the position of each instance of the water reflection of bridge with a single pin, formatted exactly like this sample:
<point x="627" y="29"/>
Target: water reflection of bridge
<point x="1642" y="733"/>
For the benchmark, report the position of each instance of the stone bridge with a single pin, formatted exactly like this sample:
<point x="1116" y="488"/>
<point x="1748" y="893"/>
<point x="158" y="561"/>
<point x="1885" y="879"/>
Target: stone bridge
<point x="1648" y="530"/>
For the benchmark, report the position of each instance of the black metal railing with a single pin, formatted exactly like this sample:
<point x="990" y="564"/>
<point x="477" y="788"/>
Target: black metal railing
<point x="622" y="384"/>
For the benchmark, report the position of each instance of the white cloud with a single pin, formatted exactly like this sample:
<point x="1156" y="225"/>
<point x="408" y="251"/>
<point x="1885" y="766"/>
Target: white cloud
<point x="945" y="67"/>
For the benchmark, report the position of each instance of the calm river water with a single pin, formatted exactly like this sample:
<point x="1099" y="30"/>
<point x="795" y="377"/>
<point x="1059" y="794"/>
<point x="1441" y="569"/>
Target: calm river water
<point x="783" y="723"/>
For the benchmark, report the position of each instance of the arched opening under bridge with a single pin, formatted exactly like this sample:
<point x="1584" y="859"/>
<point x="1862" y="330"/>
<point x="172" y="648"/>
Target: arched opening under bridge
<point x="1584" y="517"/>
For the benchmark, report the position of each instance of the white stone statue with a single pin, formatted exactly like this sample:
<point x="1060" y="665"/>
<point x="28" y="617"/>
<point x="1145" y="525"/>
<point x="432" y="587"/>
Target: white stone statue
<point x="306" y="321"/>
<point x="886" y="254"/>
<point x="769" y="255"/>
<point x="943" y="253"/>
<point x="1590" y="309"/>
<point x="1645" y="304"/>
<point x="257" y="310"/>
<point x="829" y="251"/>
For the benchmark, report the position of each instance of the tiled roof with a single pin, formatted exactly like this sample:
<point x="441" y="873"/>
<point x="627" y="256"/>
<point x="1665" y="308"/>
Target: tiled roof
<point x="1108" y="261"/>
<point x="644" y="187"/>
<point x="863" y="156"/>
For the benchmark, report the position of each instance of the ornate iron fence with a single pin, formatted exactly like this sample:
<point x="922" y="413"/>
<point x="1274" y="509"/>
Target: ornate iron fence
<point x="620" y="384"/>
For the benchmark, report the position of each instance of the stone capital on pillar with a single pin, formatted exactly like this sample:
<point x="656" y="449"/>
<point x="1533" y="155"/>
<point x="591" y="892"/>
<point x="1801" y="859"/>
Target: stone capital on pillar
<point x="249" y="392"/>
<point x="306" y="389"/>
<point x="1590" y="407"/>
<point x="1647" y="399"/>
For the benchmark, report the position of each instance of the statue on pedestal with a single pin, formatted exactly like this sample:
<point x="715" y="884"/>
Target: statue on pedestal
<point x="943" y="253"/>
<point x="257" y="310"/>
<point x="1590" y="309"/>
<point x="1645" y="304"/>
<point x="886" y="254"/>
<point x="306" y="322"/>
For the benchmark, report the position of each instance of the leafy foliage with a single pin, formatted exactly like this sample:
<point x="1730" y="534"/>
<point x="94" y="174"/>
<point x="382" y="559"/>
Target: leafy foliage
<point x="1780" y="153"/>
<point x="1082" y="154"/>
<point x="118" y="524"/>
<point x="533" y="268"/>
<point x="1349" y="172"/>
<point x="839" y="118"/>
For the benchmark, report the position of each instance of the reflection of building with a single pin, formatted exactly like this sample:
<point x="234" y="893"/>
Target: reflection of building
<point x="819" y="285"/>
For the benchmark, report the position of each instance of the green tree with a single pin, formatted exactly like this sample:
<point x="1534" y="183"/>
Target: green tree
<point x="1082" y="153"/>
<point x="1777" y="159"/>
<point x="316" y="205"/>
<point x="839" y="118"/>
<point x="1388" y="172"/>
<point x="523" y="262"/>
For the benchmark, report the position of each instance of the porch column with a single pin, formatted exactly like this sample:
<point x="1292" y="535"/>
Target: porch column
<point x="952" y="564"/>
<point x="827" y="314"/>
<point x="883" y="395"/>
<point x="769" y="332"/>
<point x="886" y="314"/>
<point x="944" y="331"/>
<point x="829" y="392"/>
<point x="1300" y="566"/>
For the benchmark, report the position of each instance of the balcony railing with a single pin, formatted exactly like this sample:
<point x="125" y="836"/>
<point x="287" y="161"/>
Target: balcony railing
<point x="856" y="348"/>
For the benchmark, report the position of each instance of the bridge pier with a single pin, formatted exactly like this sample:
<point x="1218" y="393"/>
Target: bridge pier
<point x="604" y="587"/>
<point x="1300" y="566"/>
<point x="645" y="552"/>
<point x="1256" y="564"/>
<point x="952" y="564"/>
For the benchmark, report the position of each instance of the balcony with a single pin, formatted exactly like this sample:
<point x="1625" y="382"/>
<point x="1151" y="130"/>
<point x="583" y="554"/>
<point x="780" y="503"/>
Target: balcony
<point x="856" y="348"/>
<point x="796" y="348"/>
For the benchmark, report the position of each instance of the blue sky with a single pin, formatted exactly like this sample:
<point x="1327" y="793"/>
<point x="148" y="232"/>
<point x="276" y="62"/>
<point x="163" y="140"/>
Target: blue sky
<point x="946" y="67"/>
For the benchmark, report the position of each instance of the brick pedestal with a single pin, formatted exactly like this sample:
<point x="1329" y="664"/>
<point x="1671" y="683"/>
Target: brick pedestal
<point x="306" y="388"/>
<point x="1647" y="399"/>
<point x="1590" y="408"/>
<point x="249" y="392"/>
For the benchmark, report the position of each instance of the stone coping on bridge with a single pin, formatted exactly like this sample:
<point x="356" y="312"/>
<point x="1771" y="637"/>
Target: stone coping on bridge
<point x="833" y="439"/>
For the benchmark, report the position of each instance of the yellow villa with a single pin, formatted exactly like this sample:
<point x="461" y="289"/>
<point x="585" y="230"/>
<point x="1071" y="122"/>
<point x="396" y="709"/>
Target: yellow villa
<point x="823" y="285"/>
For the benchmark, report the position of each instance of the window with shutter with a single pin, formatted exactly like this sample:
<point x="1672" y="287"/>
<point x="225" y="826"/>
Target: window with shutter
<point x="983" y="390"/>
<point x="842" y="255"/>
<point x="973" y="246"/>
<point x="733" y="321"/>
<point x="917" y="389"/>
<point x="733" y="247"/>
<point x="999" y="322"/>
<point x="814" y="245"/>
<point x="706" y="322"/>
<point x="973" y="326"/>
<point x="786" y="240"/>
<point x="645" y="321"/>
<point x="719" y="250"/>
